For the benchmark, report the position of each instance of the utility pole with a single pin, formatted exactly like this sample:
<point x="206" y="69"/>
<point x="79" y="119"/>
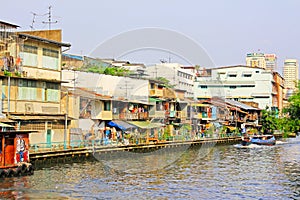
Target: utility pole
<point x="126" y="87"/>
<point x="49" y="18"/>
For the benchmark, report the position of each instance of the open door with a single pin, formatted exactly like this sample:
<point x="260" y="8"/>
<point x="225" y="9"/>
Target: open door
<point x="9" y="151"/>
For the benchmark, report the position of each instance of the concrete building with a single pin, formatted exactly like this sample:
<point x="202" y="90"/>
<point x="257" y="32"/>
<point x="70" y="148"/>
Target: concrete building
<point x="291" y="73"/>
<point x="256" y="60"/>
<point x="31" y="82"/>
<point x="179" y="77"/>
<point x="271" y="62"/>
<point x="241" y="83"/>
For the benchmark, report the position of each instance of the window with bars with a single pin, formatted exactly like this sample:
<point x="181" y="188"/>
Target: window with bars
<point x="31" y="125"/>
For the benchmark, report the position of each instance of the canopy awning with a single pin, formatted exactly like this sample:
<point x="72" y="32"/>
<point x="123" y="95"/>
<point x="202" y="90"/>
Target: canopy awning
<point x="39" y="117"/>
<point x="146" y="125"/>
<point x="5" y="125"/>
<point x="231" y="128"/>
<point x="120" y="125"/>
<point x="154" y="99"/>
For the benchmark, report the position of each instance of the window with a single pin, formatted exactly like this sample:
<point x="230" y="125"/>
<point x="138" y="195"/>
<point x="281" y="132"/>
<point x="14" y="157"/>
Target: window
<point x="29" y="55"/>
<point x="27" y="90"/>
<point x="232" y="87"/>
<point x="232" y="74"/>
<point x="85" y="108"/>
<point x="50" y="59"/>
<point x="203" y="86"/>
<point x="30" y="49"/>
<point x="247" y="75"/>
<point x="52" y="92"/>
<point x="152" y="86"/>
<point x="50" y="53"/>
<point x="106" y="105"/>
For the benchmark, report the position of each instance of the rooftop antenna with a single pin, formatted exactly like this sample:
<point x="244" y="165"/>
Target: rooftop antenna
<point x="49" y="18"/>
<point x="33" y="20"/>
<point x="169" y="58"/>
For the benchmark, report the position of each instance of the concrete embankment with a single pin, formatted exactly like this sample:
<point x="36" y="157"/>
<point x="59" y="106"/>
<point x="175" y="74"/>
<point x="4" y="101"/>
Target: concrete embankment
<point x="44" y="157"/>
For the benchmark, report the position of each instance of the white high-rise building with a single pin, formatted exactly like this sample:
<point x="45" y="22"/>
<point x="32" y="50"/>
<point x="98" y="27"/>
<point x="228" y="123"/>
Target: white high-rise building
<point x="290" y="73"/>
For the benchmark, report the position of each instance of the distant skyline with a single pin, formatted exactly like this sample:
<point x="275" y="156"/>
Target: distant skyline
<point x="226" y="29"/>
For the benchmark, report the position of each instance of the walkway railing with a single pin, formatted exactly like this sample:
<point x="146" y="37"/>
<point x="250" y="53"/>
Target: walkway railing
<point x="78" y="144"/>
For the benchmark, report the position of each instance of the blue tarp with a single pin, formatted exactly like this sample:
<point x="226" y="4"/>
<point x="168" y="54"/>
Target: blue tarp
<point x="113" y="124"/>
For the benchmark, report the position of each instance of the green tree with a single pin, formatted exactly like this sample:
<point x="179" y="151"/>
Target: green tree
<point x="165" y="81"/>
<point x="292" y="123"/>
<point x="269" y="120"/>
<point x="293" y="110"/>
<point x="116" y="71"/>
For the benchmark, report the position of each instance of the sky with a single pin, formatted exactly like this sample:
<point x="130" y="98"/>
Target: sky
<point x="226" y="29"/>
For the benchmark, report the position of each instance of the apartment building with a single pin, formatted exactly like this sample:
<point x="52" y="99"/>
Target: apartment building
<point x="291" y="73"/>
<point x="179" y="77"/>
<point x="31" y="81"/>
<point x="242" y="83"/>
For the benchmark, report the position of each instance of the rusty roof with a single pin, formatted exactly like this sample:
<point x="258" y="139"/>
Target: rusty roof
<point x="23" y="35"/>
<point x="7" y="24"/>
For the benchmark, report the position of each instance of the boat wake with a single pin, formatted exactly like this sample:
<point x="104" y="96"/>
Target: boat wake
<point x="250" y="146"/>
<point x="280" y="142"/>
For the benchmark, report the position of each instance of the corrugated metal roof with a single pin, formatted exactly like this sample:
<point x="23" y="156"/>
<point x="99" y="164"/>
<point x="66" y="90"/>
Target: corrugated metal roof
<point x="23" y="35"/>
<point x="240" y="105"/>
<point x="8" y="24"/>
<point x="39" y="117"/>
<point x="76" y="57"/>
<point x="146" y="124"/>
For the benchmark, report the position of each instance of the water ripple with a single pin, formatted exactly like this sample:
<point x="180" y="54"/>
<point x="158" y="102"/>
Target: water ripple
<point x="224" y="173"/>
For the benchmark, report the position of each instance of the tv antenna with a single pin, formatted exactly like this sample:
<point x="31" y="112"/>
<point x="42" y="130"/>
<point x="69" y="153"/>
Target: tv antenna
<point x="49" y="22"/>
<point x="33" y="20"/>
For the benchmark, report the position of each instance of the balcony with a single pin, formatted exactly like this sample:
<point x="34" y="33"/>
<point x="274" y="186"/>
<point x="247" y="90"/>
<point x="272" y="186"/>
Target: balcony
<point x="156" y="92"/>
<point x="133" y="116"/>
<point x="105" y="115"/>
<point x="171" y="113"/>
<point x="181" y="115"/>
<point x="202" y="115"/>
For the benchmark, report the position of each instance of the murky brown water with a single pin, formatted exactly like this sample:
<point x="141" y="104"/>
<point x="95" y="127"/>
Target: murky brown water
<point x="219" y="172"/>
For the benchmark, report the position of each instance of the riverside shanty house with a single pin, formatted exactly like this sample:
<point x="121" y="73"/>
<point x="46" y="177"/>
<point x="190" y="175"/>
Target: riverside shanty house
<point x="144" y="108"/>
<point x="236" y="116"/>
<point x="31" y="81"/>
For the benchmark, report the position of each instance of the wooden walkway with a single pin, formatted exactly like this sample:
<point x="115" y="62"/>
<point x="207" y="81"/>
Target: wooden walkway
<point x="49" y="157"/>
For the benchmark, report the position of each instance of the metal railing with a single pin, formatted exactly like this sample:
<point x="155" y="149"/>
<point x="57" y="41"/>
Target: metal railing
<point x="78" y="144"/>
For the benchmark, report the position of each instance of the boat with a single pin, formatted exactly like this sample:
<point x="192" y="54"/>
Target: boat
<point x="14" y="154"/>
<point x="259" y="140"/>
<point x="292" y="134"/>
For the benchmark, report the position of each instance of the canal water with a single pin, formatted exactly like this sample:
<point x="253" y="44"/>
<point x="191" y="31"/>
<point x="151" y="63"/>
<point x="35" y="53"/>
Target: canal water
<point x="207" y="172"/>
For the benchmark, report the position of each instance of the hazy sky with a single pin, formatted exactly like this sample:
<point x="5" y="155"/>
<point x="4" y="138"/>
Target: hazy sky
<point x="226" y="29"/>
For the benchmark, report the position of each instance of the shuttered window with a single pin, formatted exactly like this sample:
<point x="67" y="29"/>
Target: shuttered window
<point x="50" y="59"/>
<point x="52" y="92"/>
<point x="29" y="55"/>
<point x="27" y="90"/>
